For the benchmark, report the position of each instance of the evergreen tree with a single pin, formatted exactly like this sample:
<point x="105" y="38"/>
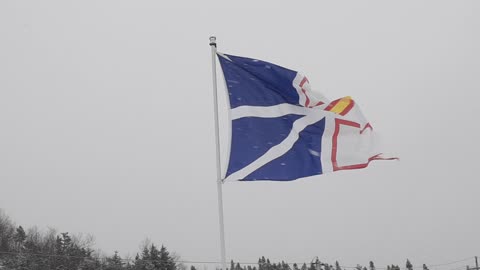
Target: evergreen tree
<point x="268" y="265"/>
<point x="140" y="263"/>
<point x="425" y="267"/>
<point x="395" y="267"/>
<point x="337" y="266"/>
<point x="155" y="257"/>
<point x="146" y="253"/>
<point x="19" y="238"/>
<point x="167" y="261"/>
<point x="115" y="262"/>
<point x="144" y="261"/>
<point x="136" y="262"/>
<point x="262" y="263"/>
<point x="7" y="231"/>
<point x="372" y="266"/>
<point x="409" y="265"/>
<point x="316" y="265"/>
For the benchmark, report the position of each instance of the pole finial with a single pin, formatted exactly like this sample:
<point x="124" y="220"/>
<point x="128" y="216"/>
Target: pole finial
<point x="213" y="41"/>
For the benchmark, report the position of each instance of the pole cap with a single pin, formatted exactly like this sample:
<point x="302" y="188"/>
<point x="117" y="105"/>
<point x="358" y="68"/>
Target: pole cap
<point x="213" y="41"/>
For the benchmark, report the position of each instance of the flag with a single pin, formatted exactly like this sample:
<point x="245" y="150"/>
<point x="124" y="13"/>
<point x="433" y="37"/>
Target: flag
<point x="281" y="130"/>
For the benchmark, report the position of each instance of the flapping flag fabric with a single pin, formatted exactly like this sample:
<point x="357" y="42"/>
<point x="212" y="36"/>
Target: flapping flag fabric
<point x="281" y="130"/>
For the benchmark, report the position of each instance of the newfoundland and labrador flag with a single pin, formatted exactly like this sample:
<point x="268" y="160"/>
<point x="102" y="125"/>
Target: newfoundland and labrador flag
<point x="282" y="131"/>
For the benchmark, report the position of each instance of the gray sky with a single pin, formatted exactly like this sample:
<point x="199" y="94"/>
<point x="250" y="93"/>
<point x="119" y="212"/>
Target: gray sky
<point x="106" y="126"/>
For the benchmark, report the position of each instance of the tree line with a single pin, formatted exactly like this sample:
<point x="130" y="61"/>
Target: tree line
<point x="265" y="264"/>
<point x="33" y="249"/>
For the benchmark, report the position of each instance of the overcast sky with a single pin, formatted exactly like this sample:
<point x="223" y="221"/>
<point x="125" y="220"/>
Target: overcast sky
<point x="106" y="126"/>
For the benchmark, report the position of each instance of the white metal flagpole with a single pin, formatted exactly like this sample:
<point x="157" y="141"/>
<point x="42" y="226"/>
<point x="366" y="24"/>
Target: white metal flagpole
<point x="213" y="44"/>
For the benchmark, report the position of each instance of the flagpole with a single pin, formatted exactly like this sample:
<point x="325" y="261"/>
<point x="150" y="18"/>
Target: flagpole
<point x="213" y="45"/>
